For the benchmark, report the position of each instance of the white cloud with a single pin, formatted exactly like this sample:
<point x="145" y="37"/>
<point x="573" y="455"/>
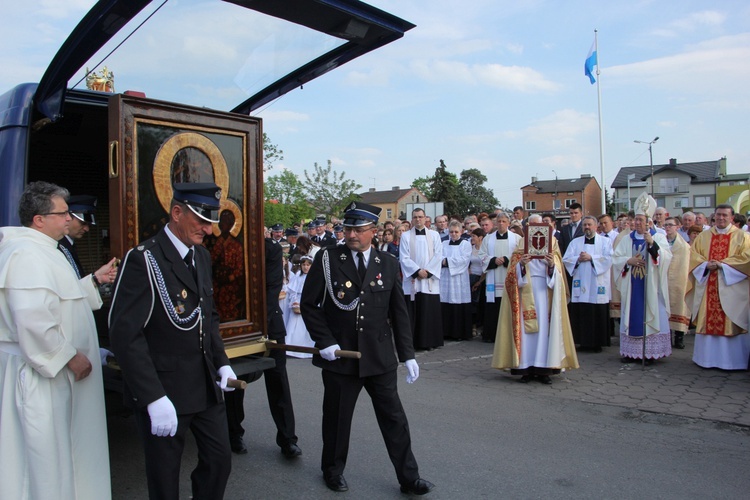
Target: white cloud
<point x="487" y="166"/>
<point x="366" y="164"/>
<point x="561" y="127"/>
<point x="563" y="161"/>
<point x="518" y="78"/>
<point x="514" y="48"/>
<point x="709" y="68"/>
<point x="60" y="10"/>
<point x="692" y="22"/>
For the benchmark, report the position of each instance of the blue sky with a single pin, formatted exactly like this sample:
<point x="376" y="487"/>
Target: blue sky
<point x="493" y="85"/>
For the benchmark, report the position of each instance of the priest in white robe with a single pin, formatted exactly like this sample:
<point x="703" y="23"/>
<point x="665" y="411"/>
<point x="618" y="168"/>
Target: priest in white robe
<point x="640" y="264"/>
<point x="718" y="294"/>
<point x="534" y="339"/>
<point x="455" y="289"/>
<point x="495" y="252"/>
<point x="53" y="429"/>
<point x="588" y="261"/>
<point x="421" y="255"/>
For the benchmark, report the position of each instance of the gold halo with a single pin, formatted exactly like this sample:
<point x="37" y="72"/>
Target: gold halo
<point x="163" y="165"/>
<point x="235" y="209"/>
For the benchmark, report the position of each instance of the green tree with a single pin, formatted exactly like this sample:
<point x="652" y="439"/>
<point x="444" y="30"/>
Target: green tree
<point x="609" y="202"/>
<point x="424" y="184"/>
<point x="285" y="187"/>
<point x="286" y="201"/>
<point x="475" y="196"/>
<point x="328" y="192"/>
<point x="461" y="196"/>
<point x="445" y="188"/>
<point x="275" y="212"/>
<point x="271" y="153"/>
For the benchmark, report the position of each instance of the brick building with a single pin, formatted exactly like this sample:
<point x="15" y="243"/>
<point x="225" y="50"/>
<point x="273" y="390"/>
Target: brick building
<point x="556" y="195"/>
<point x="393" y="201"/>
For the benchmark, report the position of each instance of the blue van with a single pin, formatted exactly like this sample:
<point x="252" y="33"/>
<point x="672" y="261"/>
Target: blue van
<point x="128" y="150"/>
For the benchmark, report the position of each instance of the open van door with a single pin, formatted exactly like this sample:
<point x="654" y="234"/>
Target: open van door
<point x="128" y="150"/>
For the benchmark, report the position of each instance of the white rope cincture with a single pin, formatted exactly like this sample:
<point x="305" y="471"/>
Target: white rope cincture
<point x="156" y="277"/>
<point x="327" y="274"/>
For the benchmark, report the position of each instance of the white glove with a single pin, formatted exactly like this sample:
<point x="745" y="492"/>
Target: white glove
<point x="413" y="368"/>
<point x="104" y="354"/>
<point x="329" y="352"/>
<point x="226" y="372"/>
<point x="163" y="417"/>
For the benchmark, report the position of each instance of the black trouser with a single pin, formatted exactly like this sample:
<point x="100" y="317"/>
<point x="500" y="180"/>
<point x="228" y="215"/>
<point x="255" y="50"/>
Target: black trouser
<point x="491" y="318"/>
<point x="279" y="402"/>
<point x="341" y="393"/>
<point x="164" y="455"/>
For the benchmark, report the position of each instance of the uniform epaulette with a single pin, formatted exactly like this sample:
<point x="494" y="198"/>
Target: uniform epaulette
<point x="143" y="246"/>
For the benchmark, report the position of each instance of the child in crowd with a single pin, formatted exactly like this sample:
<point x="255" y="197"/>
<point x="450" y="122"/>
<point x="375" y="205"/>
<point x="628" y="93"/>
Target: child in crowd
<point x="296" y="333"/>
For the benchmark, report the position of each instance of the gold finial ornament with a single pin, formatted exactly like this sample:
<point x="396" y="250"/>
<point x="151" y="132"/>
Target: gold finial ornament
<point x="104" y="81"/>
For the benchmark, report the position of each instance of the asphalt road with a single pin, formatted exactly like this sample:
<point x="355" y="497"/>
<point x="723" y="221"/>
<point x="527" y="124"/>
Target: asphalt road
<point x="477" y="433"/>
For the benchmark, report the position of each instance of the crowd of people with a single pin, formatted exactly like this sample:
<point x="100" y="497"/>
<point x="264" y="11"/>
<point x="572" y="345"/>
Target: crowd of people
<point x="647" y="276"/>
<point x="539" y="292"/>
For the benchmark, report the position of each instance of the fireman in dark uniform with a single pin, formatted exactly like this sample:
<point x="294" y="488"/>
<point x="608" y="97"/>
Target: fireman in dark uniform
<point x="277" y="381"/>
<point x="351" y="293"/>
<point x="164" y="330"/>
<point x="82" y="209"/>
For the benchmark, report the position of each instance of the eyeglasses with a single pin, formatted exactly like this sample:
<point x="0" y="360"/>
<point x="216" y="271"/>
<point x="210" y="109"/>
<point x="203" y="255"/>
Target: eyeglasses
<point x="62" y="214"/>
<point x="669" y="225"/>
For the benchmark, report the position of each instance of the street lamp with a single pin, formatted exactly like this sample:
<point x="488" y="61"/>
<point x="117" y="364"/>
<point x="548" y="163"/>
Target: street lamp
<point x="630" y="178"/>
<point x="554" y="201"/>
<point x="651" y="158"/>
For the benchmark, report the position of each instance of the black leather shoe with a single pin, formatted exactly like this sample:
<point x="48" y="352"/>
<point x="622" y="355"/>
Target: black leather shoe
<point x="525" y="379"/>
<point x="291" y="450"/>
<point x="545" y="379"/>
<point x="337" y="483"/>
<point x="418" y="487"/>
<point x="238" y="445"/>
<point x="679" y="340"/>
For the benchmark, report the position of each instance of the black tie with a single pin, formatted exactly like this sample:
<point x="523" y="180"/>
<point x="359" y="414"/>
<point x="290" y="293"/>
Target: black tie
<point x="189" y="263"/>
<point x="361" y="269"/>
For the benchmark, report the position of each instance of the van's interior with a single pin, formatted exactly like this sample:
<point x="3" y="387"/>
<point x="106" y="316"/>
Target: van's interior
<point x="72" y="153"/>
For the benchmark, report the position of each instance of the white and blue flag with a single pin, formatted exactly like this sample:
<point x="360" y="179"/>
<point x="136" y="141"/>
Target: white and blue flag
<point x="591" y="61"/>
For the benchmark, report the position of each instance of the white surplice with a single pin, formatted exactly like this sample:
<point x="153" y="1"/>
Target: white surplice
<point x="420" y="252"/>
<point x="454" y="279"/>
<point x="591" y="280"/>
<point x="491" y="248"/>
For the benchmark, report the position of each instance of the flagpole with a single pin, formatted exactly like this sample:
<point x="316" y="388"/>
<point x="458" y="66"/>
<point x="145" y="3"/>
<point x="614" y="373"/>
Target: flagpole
<point x="601" y="141"/>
